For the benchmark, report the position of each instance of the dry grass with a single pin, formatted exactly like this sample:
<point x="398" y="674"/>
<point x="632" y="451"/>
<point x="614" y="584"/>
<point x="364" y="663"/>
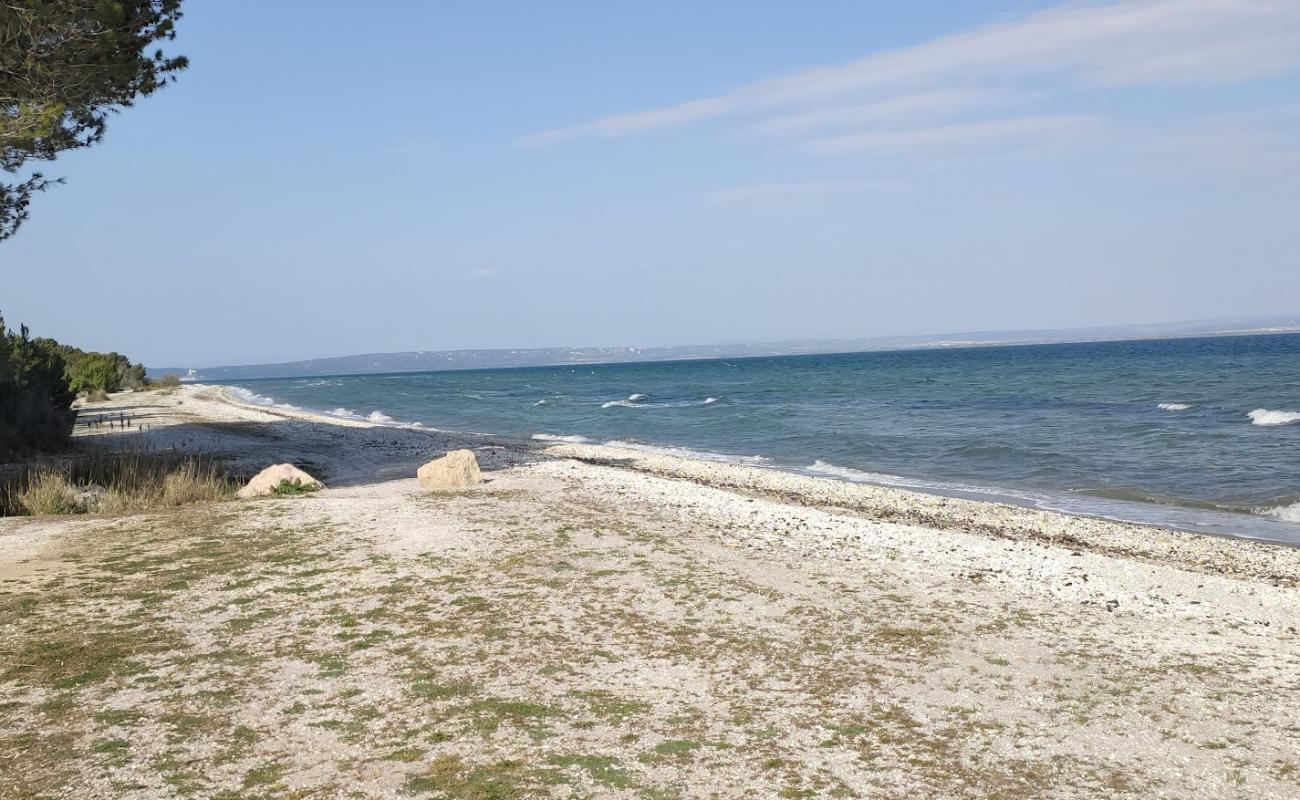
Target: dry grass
<point x="46" y="493"/>
<point x="115" y="483"/>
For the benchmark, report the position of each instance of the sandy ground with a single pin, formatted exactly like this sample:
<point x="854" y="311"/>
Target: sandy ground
<point x="594" y="622"/>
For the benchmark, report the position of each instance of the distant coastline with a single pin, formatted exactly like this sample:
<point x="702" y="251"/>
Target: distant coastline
<point x="498" y="358"/>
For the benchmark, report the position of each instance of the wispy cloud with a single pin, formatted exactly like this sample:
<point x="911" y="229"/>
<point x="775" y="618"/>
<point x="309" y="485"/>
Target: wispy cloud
<point x="961" y="136"/>
<point x="905" y="109"/>
<point x="1107" y="44"/>
<point x="800" y="192"/>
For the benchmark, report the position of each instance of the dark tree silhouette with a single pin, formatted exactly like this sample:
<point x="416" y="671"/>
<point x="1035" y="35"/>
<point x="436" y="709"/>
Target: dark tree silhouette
<point x="65" y="66"/>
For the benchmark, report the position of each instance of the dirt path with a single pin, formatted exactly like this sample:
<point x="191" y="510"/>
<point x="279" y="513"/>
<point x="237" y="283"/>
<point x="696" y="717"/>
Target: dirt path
<point x="570" y="630"/>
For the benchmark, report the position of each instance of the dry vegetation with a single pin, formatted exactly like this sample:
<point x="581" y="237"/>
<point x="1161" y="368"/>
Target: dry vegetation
<point x="113" y="483"/>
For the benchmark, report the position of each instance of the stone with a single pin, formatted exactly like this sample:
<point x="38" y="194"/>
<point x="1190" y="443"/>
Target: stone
<point x="87" y="498"/>
<point x="454" y="470"/>
<point x="264" y="482"/>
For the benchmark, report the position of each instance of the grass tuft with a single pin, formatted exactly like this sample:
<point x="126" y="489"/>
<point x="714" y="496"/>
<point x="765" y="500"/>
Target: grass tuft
<point x="114" y="483"/>
<point x="46" y="493"/>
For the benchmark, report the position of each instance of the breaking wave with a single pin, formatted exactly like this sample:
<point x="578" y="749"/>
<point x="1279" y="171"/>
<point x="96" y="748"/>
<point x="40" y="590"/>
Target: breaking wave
<point x="682" y="452"/>
<point x="1173" y="406"/>
<point x="630" y="403"/>
<point x="1289" y="513"/>
<point x="258" y="399"/>
<point x="1263" y="416"/>
<point x="555" y="437"/>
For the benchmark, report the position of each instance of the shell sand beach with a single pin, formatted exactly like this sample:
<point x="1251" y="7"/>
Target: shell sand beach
<point x="595" y="622"/>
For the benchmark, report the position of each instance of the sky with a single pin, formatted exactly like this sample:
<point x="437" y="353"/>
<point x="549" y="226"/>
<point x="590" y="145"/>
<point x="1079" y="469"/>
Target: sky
<point x="494" y="174"/>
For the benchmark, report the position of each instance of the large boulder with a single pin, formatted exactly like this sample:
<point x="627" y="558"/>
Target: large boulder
<point x="266" y="481"/>
<point x="454" y="470"/>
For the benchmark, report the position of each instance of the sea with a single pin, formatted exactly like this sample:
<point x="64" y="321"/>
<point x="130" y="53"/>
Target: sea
<point x="1199" y="434"/>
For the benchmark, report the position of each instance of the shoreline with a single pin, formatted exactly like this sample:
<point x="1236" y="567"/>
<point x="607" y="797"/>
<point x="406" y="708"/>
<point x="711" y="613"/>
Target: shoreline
<point x="1274" y="561"/>
<point x="595" y="621"/>
<point x="1277" y="563"/>
<point x="1257" y="524"/>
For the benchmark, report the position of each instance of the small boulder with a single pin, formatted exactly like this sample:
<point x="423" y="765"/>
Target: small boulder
<point x="265" y="482"/>
<point x="86" y="500"/>
<point x="454" y="470"/>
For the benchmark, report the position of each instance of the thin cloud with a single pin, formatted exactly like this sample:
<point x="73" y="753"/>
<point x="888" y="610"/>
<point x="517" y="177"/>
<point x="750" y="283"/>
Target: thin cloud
<point x="1146" y="42"/>
<point x="964" y="135"/>
<point x="800" y="192"/>
<point x="894" y="111"/>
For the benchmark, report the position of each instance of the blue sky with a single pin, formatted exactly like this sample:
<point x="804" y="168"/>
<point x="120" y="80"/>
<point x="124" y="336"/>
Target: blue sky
<point x="482" y="174"/>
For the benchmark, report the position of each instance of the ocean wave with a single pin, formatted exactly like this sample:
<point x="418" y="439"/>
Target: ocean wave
<point x="1289" y="513"/>
<point x="820" y="467"/>
<point x="850" y="474"/>
<point x="629" y="403"/>
<point x="256" y="399"/>
<point x="1173" y="406"/>
<point x="541" y="403"/>
<point x="379" y="417"/>
<point x="556" y="437"/>
<point x="1263" y="416"/>
<point x="682" y="452"/>
<point x="632" y="398"/>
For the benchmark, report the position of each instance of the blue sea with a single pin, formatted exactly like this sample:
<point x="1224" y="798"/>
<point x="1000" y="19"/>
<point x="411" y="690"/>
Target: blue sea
<point x="1201" y="434"/>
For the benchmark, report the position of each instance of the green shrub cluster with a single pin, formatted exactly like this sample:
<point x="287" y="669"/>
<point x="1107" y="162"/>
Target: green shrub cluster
<point x="39" y="379"/>
<point x="34" y="393"/>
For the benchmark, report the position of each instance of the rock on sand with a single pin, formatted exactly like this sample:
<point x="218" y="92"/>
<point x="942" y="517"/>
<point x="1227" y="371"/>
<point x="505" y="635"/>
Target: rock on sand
<point x="264" y="482"/>
<point x="457" y="468"/>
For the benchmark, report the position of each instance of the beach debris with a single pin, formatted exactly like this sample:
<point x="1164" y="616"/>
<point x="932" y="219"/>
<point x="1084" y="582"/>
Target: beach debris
<point x="265" y="482"/>
<point x="454" y="470"/>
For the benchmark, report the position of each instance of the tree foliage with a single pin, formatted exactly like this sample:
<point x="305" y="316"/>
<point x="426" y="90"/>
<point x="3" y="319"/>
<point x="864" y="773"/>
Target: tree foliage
<point x="34" y="393"/>
<point x="65" y="66"/>
<point x="39" y="379"/>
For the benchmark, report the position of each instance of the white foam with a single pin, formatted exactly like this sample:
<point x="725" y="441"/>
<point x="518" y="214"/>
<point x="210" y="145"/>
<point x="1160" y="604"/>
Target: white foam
<point x="629" y="403"/>
<point x="379" y="417"/>
<point x="632" y="398"/>
<point x="1173" y="406"/>
<point x="682" y="452"/>
<point x="1263" y="416"/>
<point x="541" y="403"/>
<point x="1289" y="513"/>
<point x="555" y="437"/>
<point x="820" y="467"/>
<point x="850" y="474"/>
<point x="258" y="399"/>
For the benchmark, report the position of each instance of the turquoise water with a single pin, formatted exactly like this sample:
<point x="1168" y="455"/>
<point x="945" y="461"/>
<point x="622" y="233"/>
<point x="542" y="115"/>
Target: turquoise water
<point x="1201" y="434"/>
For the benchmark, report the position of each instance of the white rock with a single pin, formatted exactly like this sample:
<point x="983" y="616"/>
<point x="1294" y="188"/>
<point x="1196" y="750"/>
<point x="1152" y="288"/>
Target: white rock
<point x="264" y="482"/>
<point x="454" y="470"/>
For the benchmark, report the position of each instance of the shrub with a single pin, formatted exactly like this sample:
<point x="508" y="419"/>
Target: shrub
<point x="293" y="488"/>
<point x="46" y="493"/>
<point x="132" y="482"/>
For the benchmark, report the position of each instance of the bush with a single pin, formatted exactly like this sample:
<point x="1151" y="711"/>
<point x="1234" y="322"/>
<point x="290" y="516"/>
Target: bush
<point x="132" y="482"/>
<point x="47" y="493"/>
<point x="293" y="488"/>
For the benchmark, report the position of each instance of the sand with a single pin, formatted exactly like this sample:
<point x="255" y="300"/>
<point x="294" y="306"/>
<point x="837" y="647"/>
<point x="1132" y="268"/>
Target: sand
<point x="602" y="622"/>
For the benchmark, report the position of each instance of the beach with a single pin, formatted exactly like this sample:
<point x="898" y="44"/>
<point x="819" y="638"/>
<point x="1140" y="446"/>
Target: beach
<point x="596" y="621"/>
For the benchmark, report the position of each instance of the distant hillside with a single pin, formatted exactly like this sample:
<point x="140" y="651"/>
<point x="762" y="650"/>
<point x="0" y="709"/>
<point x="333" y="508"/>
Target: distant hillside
<point x="429" y="360"/>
